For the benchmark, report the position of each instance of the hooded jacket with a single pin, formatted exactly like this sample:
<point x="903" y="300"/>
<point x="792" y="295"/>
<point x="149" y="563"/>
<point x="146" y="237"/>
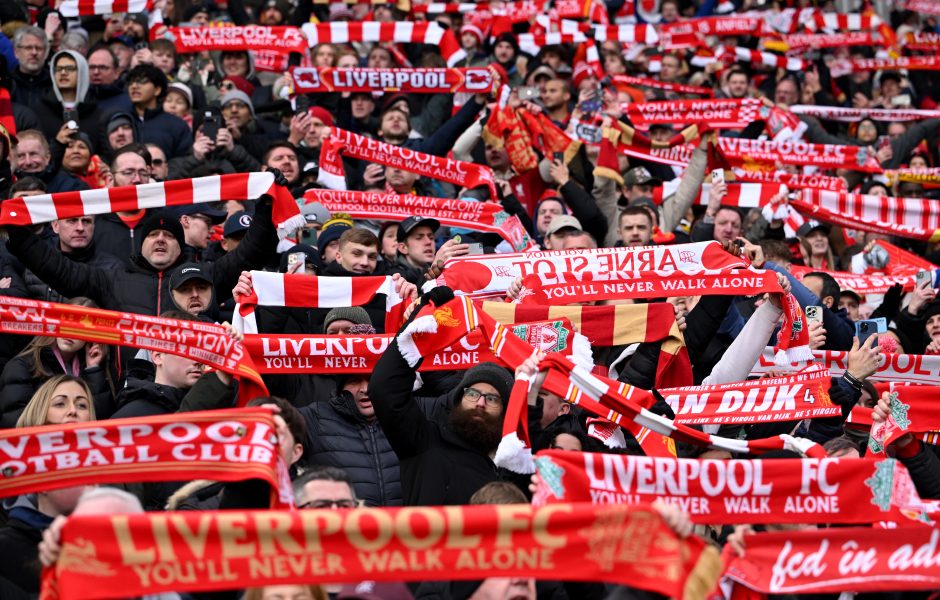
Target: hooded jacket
<point x="51" y="108"/>
<point x="100" y="137"/>
<point x="141" y="398"/>
<point x="339" y="436"/>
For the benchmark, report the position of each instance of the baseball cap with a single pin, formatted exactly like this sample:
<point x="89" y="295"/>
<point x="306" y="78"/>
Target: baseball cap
<point x="641" y="176"/>
<point x="315" y="212"/>
<point x="187" y="272"/>
<point x="408" y="225"/>
<point x="217" y="216"/>
<point x="238" y="223"/>
<point x="810" y="226"/>
<point x="562" y="222"/>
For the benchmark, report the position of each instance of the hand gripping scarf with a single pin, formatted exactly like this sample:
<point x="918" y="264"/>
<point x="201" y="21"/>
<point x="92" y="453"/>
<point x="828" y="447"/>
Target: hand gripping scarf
<point x="310" y="291"/>
<point x="206" y="343"/>
<point x="121" y="556"/>
<point x="589" y="286"/>
<point x="345" y="143"/>
<point x="729" y="492"/>
<point x="281" y="39"/>
<point x="911" y="409"/>
<point x="470" y="214"/>
<point x="221" y="445"/>
<point x="492" y="274"/>
<point x="430" y="33"/>
<point x="321" y="80"/>
<point x="831" y="561"/>
<point x="33" y="210"/>
<point x="437" y="327"/>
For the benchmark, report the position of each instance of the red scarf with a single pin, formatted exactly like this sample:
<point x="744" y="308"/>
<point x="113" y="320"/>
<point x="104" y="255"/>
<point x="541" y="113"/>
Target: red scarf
<point x="804" y="395"/>
<point x="128" y="555"/>
<point x="912" y="409"/>
<point x="320" y="80"/>
<point x="399" y="32"/>
<point x="742" y="151"/>
<point x="33" y="210"/>
<point x="854" y="115"/>
<point x="524" y="136"/>
<point x="802" y="41"/>
<point x="832" y="560"/>
<point x="911" y="63"/>
<point x="916" y="369"/>
<point x="492" y="274"/>
<point x="728" y="492"/>
<point x="221" y="445"/>
<point x="679" y="88"/>
<point x="342" y="142"/>
<point x="791" y="180"/>
<point x="206" y="343"/>
<point x="907" y="217"/>
<point x="721" y="113"/>
<point x="469" y="214"/>
<point x="922" y="6"/>
<point x="282" y="39"/>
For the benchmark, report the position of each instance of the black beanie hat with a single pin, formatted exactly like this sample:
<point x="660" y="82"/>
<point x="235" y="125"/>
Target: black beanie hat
<point x="490" y="373"/>
<point x="164" y="221"/>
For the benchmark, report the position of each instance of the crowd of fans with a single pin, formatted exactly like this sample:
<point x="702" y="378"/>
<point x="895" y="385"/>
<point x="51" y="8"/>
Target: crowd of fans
<point x="95" y="103"/>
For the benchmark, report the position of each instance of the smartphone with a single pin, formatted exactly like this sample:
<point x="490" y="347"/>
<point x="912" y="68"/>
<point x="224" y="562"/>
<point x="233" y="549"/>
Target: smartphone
<point x="925" y="277"/>
<point x="559" y="157"/>
<point x="296" y="263"/>
<point x="869" y="327"/>
<point x="901" y="100"/>
<point x="589" y="133"/>
<point x="718" y="176"/>
<point x="883" y="142"/>
<point x="301" y="104"/>
<point x="211" y="125"/>
<point x="475" y="249"/>
<point x="814" y="314"/>
<point x="529" y="93"/>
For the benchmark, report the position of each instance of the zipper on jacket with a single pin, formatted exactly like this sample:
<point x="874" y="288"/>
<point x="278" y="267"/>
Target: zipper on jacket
<point x="378" y="464"/>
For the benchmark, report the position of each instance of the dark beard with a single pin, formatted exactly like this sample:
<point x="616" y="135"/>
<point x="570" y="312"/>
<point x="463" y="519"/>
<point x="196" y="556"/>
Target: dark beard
<point x="480" y="430"/>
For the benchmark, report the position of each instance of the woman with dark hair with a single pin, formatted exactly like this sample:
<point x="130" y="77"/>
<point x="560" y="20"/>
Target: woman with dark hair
<point x="44" y="357"/>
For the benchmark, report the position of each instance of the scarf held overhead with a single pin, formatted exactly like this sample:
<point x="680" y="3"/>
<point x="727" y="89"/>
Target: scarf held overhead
<point x="729" y="492"/>
<point x="469" y="214"/>
<point x="916" y="369"/>
<point x="33" y="210"/>
<point x="90" y="8"/>
<point x="720" y="113"/>
<point x="206" y="343"/>
<point x="221" y="445"/>
<point x="402" y="32"/>
<point x="915" y="218"/>
<point x="132" y="555"/>
<point x="322" y="80"/>
<point x="345" y="143"/>
<point x="234" y="37"/>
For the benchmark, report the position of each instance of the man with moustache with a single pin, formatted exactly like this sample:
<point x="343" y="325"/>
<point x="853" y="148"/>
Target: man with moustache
<point x="447" y="453"/>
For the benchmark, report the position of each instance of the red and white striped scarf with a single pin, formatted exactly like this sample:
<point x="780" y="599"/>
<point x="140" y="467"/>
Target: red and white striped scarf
<point x="88" y="8"/>
<point x="916" y="218"/>
<point x="469" y="214"/>
<point x="627" y="34"/>
<point x="404" y="32"/>
<point x="32" y="210"/>
<point x="764" y="59"/>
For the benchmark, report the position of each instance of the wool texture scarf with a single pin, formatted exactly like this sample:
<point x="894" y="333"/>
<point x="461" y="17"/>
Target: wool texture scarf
<point x="911" y="409"/>
<point x="492" y="274"/>
<point x="829" y="561"/>
<point x="862" y="283"/>
<point x="915" y="369"/>
<point x="436" y="327"/>
<point x="206" y="343"/>
<point x="321" y="80"/>
<point x="589" y="286"/>
<point x="33" y="210"/>
<point x="345" y="143"/>
<point x="721" y="113"/>
<point x="121" y="556"/>
<point x="401" y="32"/>
<point x="915" y="218"/>
<point x="854" y="115"/>
<point x="89" y="8"/>
<point x="730" y="492"/>
<point x="281" y="39"/>
<point x="800" y="42"/>
<point x="310" y="291"/>
<point x="679" y="88"/>
<point x="467" y="213"/>
<point x="221" y="445"/>
<point x="524" y="136"/>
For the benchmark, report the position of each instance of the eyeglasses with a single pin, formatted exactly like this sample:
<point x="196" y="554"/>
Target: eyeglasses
<point x="66" y="69"/>
<point x="36" y="49"/>
<point x="158" y="162"/>
<point x="128" y="173"/>
<point x="474" y="394"/>
<point x="330" y="504"/>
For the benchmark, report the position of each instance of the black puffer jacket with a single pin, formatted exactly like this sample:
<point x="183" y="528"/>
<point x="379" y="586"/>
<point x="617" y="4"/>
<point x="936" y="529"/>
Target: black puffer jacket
<point x="141" y="398"/>
<point x="17" y="385"/>
<point x="437" y="467"/>
<point x="339" y="436"/>
<point x="89" y="256"/>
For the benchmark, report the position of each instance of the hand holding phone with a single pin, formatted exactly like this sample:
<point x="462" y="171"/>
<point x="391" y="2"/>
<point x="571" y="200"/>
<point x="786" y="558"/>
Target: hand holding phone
<point x="814" y="314"/>
<point x="718" y="176"/>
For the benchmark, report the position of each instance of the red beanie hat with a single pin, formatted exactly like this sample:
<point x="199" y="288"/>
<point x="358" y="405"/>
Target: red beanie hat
<point x="321" y="113"/>
<point x="241" y="84"/>
<point x="476" y="31"/>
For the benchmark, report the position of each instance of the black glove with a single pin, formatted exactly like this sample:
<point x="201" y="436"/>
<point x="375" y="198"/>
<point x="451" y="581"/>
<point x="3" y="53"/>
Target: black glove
<point x="890" y="304"/>
<point x="437" y="297"/>
<point x="279" y="178"/>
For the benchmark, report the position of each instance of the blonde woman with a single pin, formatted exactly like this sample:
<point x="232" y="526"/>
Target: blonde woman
<point x="61" y="399"/>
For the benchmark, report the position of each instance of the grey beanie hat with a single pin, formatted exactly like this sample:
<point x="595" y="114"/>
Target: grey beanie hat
<point x="490" y="373"/>
<point x="355" y="314"/>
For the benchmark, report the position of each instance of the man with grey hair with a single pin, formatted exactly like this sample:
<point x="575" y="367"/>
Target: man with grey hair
<point x="31" y="78"/>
